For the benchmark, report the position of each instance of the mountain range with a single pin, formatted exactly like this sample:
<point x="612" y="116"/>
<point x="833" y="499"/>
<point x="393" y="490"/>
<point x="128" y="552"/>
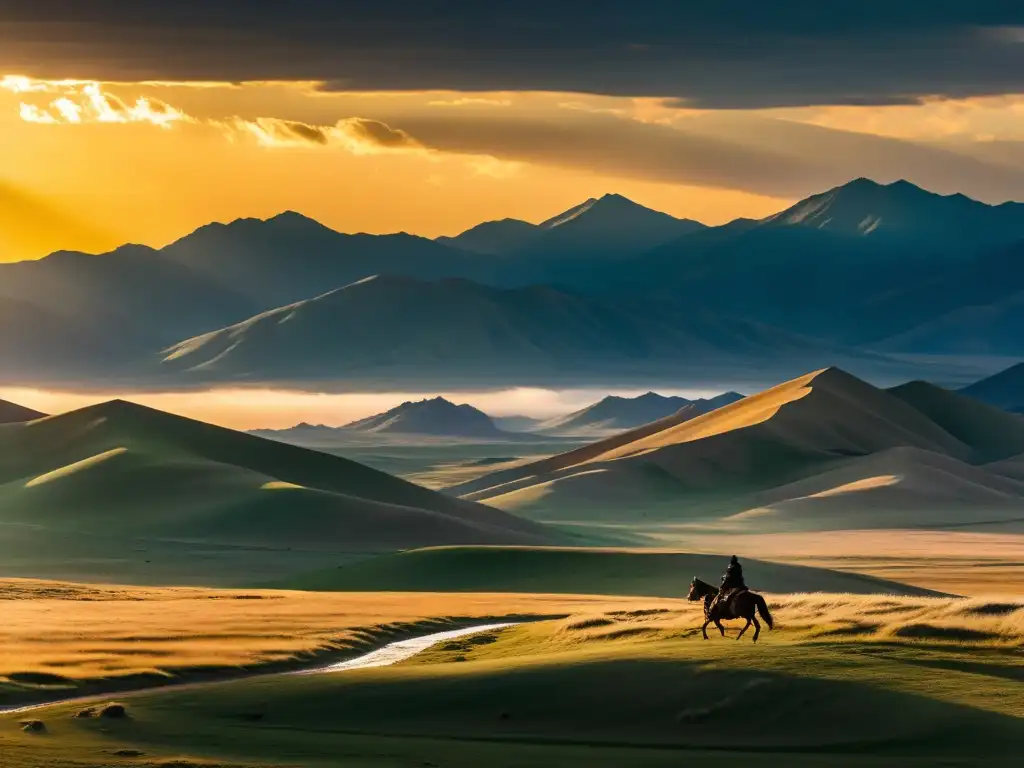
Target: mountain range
<point x="431" y="418"/>
<point x="861" y="269"/>
<point x="393" y="329"/>
<point x="821" y="452"/>
<point x="615" y="414"/>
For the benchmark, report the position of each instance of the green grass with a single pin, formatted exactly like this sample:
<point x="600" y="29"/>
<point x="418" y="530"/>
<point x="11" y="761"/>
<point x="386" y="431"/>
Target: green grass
<point x="126" y="478"/>
<point x="573" y="571"/>
<point x="638" y="690"/>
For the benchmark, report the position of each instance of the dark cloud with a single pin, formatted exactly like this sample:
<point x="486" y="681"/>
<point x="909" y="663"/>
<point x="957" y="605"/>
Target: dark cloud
<point x="378" y="133"/>
<point x="750" y="53"/>
<point x="310" y="133"/>
<point x="726" y="150"/>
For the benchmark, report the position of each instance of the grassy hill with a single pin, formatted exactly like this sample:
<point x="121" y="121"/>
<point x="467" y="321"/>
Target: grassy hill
<point x="574" y="571"/>
<point x="124" y="468"/>
<point x="811" y="440"/>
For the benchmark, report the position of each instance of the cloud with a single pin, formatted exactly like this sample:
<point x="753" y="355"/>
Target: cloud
<point x="766" y="156"/>
<point x="356" y="135"/>
<point x="83" y="101"/>
<point x="740" y="54"/>
<point x="470" y="101"/>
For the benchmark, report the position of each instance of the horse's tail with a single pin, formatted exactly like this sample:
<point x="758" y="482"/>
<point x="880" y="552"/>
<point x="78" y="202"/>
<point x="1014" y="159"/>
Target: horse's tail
<point x="762" y="608"/>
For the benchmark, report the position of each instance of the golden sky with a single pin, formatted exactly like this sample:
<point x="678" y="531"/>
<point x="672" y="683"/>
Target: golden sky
<point x="92" y="165"/>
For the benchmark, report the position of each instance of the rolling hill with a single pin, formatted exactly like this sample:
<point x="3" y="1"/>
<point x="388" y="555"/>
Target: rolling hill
<point x="389" y="329"/>
<point x="141" y="473"/>
<point x="815" y="440"/>
<point x="655" y="573"/>
<point x="1003" y="390"/>
<point x="614" y="413"/>
<point x="12" y="413"/>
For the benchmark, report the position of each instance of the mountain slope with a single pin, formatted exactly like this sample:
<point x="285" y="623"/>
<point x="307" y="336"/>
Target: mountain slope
<point x="987" y="329"/>
<point x="436" y="416"/>
<point x="991" y="433"/>
<point x="616" y="413"/>
<point x="81" y="314"/>
<point x="903" y="211"/>
<point x="621" y="413"/>
<point x="455" y="331"/>
<point x="723" y="463"/>
<point x="1003" y="390"/>
<point x="289" y="257"/>
<point x="12" y="413"/>
<point x="144" y="473"/>
<point x="860" y="263"/>
<point x="494" y="237"/>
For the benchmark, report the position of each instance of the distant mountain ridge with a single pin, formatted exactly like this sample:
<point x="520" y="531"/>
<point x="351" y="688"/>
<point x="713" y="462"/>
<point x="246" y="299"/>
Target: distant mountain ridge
<point x="608" y="224"/>
<point x="12" y="413"/>
<point x="389" y="328"/>
<point x="1003" y="390"/>
<point x="901" y="210"/>
<point x="864" y="268"/>
<point x="614" y="413"/>
<point x="434" y="416"/>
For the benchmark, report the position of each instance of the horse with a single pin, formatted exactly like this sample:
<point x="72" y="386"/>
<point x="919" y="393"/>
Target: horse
<point x="740" y="605"/>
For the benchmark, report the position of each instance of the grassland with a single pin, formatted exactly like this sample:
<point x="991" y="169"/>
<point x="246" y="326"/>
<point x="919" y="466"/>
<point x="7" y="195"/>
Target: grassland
<point x="842" y="681"/>
<point x="59" y="639"/>
<point x="601" y="571"/>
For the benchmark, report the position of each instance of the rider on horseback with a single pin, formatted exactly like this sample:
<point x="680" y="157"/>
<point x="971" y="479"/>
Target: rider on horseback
<point x="732" y="581"/>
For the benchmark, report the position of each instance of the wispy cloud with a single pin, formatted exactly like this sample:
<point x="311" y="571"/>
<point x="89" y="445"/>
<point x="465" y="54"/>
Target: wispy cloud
<point x="80" y="102"/>
<point x="86" y="102"/>
<point x="470" y="101"/>
<point x="356" y="135"/>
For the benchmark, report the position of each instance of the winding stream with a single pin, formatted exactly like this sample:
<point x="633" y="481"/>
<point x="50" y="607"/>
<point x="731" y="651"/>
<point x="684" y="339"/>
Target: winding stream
<point x="392" y="653"/>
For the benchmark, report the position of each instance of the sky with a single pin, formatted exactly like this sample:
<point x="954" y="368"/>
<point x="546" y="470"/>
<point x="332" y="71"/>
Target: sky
<point x="280" y="409"/>
<point x="140" y="121"/>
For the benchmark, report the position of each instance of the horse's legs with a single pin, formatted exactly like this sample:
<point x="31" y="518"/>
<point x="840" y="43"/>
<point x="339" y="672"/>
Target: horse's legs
<point x="757" y="627"/>
<point x="704" y="629"/>
<point x="745" y="628"/>
<point x="720" y="627"/>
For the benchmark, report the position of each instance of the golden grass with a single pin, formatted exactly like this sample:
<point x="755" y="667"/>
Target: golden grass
<point x="81" y="632"/>
<point x="954" y="562"/>
<point x="992" y="623"/>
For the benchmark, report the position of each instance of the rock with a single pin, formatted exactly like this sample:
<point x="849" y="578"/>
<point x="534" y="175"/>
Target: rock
<point x="33" y="726"/>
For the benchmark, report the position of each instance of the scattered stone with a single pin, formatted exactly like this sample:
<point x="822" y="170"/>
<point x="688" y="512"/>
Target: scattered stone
<point x="33" y="726"/>
<point x="114" y="712"/>
<point x="85" y="713"/>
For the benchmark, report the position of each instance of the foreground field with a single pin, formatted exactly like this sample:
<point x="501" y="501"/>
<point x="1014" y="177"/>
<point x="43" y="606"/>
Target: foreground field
<point x="842" y="681"/>
<point x="63" y="639"/>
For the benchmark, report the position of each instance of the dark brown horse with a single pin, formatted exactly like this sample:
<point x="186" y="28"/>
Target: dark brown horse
<point x="740" y="605"/>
